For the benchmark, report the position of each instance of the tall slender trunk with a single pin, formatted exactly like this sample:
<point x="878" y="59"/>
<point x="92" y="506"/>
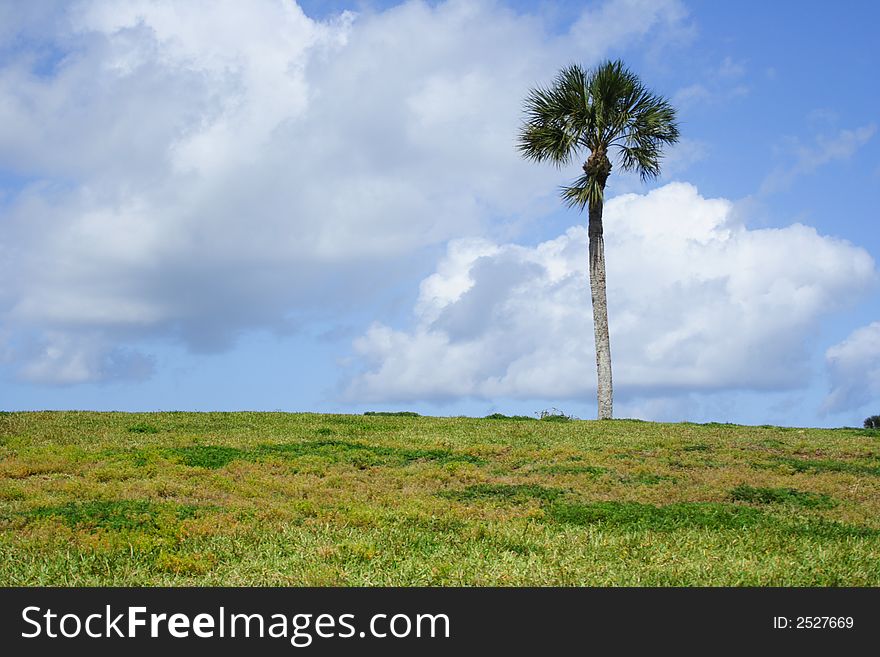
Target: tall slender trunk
<point x="600" y="311"/>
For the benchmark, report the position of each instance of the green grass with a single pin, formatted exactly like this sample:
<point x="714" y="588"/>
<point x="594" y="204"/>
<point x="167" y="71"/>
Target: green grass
<point x="820" y="465"/>
<point x="746" y="493"/>
<point x="516" y="493"/>
<point x="634" y="515"/>
<point x="96" y="499"/>
<point x="573" y="468"/>
<point x="112" y="515"/>
<point x="143" y="427"/>
<point x="207" y="456"/>
<point x="331" y="451"/>
<point x="646" y="478"/>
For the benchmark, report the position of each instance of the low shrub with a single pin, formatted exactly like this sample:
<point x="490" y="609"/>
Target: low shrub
<point x="501" y="416"/>
<point x="393" y="413"/>
<point x="555" y="415"/>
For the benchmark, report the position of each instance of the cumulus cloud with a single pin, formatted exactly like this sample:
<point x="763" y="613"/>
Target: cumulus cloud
<point x="854" y="370"/>
<point x="697" y="302"/>
<point x="190" y="171"/>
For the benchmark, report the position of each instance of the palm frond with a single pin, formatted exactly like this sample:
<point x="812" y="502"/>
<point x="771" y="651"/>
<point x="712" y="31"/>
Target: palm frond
<point x="644" y="158"/>
<point x="611" y="87"/>
<point x="632" y="118"/>
<point x="556" y="118"/>
<point x="585" y="191"/>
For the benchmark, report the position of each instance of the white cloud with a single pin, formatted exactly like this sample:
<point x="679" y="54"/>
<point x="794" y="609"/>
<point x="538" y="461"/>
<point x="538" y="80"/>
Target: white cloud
<point x="808" y="159"/>
<point x="722" y="85"/>
<point x="731" y="69"/>
<point x="612" y="23"/>
<point x="854" y="370"/>
<point x="60" y="358"/>
<point x="692" y="94"/>
<point x="697" y="302"/>
<point x="195" y="170"/>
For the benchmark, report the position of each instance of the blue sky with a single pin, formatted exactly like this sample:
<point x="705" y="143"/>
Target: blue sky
<point x="320" y="207"/>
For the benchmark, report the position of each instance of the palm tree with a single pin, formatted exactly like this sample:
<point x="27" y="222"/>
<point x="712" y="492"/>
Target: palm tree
<point x="607" y="107"/>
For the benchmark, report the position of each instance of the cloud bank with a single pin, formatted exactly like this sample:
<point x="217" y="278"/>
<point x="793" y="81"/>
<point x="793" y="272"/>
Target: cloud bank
<point x="697" y="302"/>
<point x="191" y="171"/>
<point x="854" y="371"/>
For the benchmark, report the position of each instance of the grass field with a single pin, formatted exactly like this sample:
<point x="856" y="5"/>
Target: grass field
<point x="306" y="499"/>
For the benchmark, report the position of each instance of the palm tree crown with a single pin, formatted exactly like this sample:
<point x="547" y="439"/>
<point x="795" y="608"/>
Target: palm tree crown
<point x="605" y="108"/>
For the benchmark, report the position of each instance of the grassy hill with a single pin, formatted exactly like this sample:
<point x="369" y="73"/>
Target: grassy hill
<point x="307" y="499"/>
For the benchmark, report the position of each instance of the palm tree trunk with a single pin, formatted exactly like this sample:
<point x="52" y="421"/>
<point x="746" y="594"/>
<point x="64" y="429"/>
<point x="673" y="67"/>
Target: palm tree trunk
<point x="600" y="311"/>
